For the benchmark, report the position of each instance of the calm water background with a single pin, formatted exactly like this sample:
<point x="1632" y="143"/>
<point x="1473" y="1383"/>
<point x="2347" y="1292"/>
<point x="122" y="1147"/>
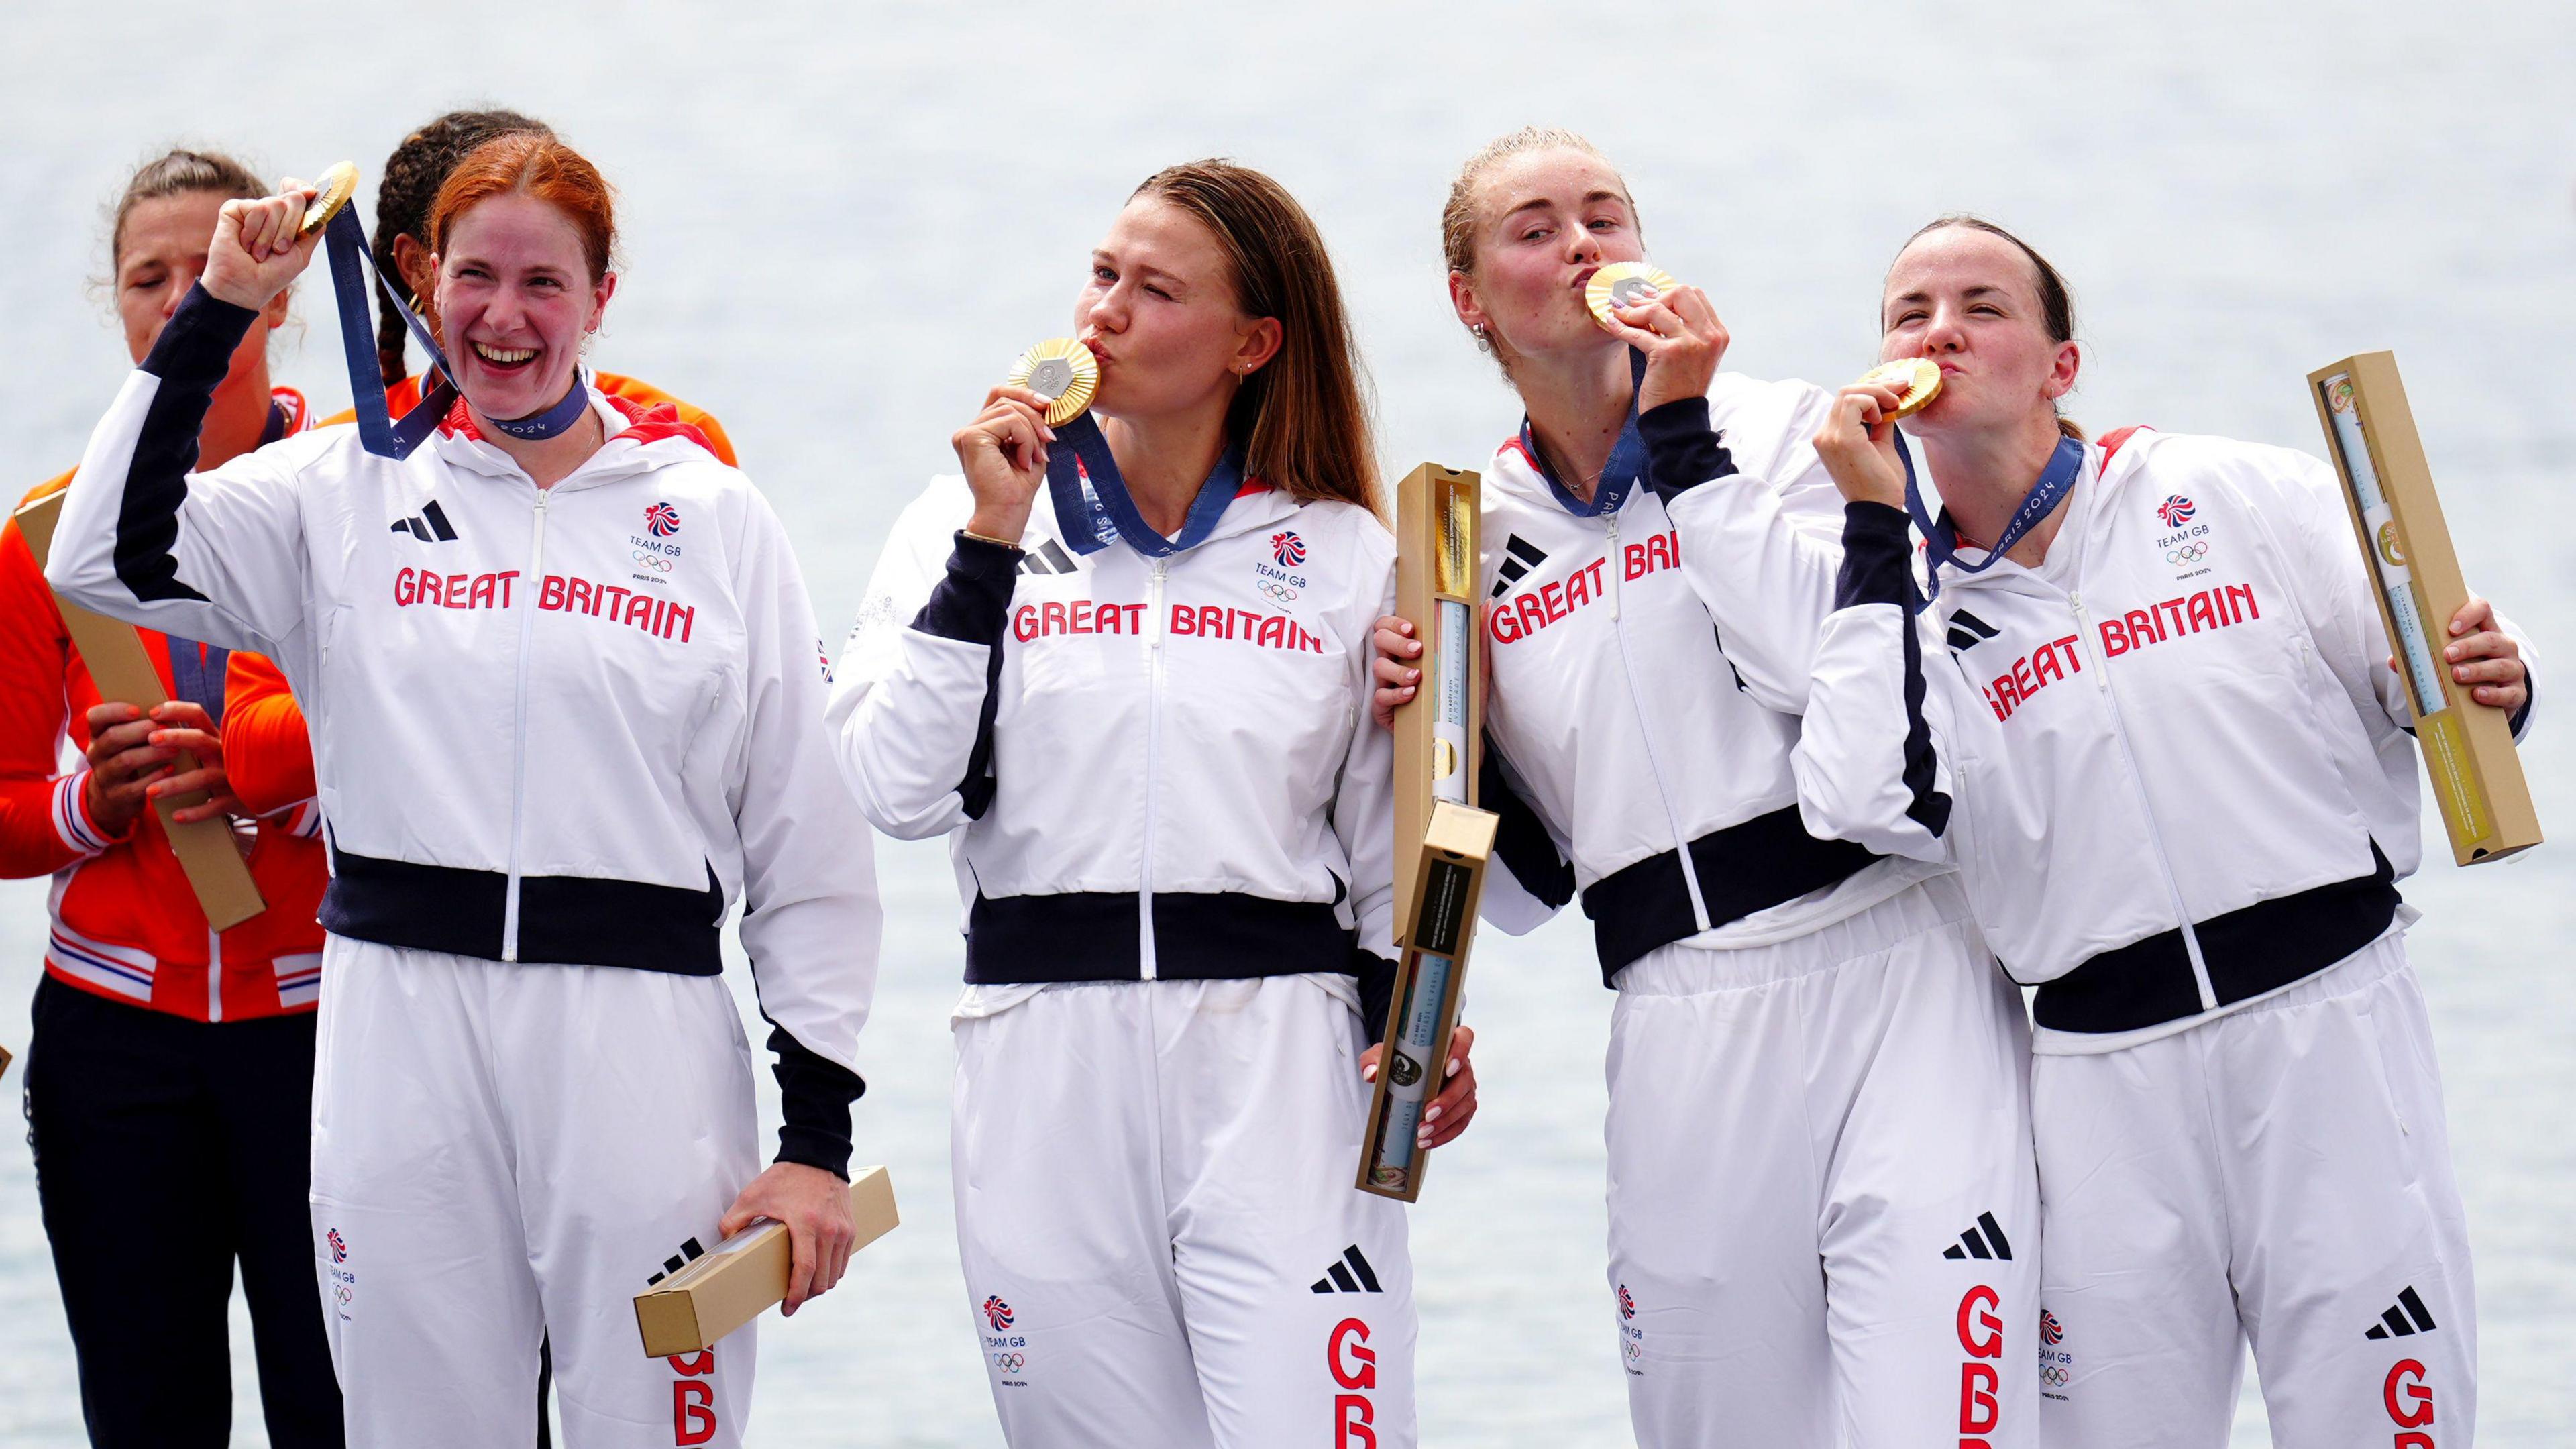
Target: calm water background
<point x="842" y="221"/>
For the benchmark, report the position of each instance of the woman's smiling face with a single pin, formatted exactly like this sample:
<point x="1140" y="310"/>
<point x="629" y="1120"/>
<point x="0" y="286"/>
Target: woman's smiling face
<point x="515" y="299"/>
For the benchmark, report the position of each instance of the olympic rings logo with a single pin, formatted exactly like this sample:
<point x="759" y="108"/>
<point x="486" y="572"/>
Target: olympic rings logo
<point x="1278" y="590"/>
<point x="1010" y="1363"/>
<point x="2053" y="1376"/>
<point x="2188" y="553"/>
<point x="653" y="561"/>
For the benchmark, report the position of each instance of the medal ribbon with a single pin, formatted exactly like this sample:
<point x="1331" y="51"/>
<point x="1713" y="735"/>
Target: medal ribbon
<point x="1086" y="486"/>
<point x="378" y="431"/>
<point x="1619" y="475"/>
<point x="1941" y="536"/>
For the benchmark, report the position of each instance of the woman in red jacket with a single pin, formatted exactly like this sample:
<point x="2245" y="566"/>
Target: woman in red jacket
<point x="166" y="1057"/>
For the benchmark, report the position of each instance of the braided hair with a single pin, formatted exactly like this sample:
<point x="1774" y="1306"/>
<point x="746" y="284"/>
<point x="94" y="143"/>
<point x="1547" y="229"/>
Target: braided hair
<point x="413" y="174"/>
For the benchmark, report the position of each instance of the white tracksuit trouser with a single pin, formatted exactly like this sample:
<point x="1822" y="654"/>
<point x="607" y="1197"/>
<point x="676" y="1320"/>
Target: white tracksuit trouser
<point x="2280" y="1174"/>
<point x="1824" y="1226"/>
<point x="1161" y="1240"/>
<point x="504" y="1153"/>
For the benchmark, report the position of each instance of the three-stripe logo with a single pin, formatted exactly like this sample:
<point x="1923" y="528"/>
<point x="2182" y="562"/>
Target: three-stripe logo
<point x="1967" y="631"/>
<point x="2415" y="1318"/>
<point x="1047" y="558"/>
<point x="690" y="1252"/>
<point x="1992" y="1244"/>
<point x="1351" y="1274"/>
<point x="430" y="525"/>
<point x="1520" y="556"/>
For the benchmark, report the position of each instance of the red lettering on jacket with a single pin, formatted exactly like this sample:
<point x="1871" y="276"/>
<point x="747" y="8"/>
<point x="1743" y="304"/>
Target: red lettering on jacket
<point x="2213" y="608"/>
<point x="1981" y="1336"/>
<point x="693" y="1401"/>
<point x="1353" y="1365"/>
<point x="2406" y="1381"/>
<point x="452" y="591"/>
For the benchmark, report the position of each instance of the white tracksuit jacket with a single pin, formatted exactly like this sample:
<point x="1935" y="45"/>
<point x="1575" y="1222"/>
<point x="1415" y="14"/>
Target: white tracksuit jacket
<point x="1622" y="725"/>
<point x="2181" y="765"/>
<point x="1149" y="768"/>
<point x="566" y="726"/>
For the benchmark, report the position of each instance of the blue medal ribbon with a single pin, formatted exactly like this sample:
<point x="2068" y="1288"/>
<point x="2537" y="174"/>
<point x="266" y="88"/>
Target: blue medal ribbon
<point x="1093" y="507"/>
<point x="379" y="432"/>
<point x="1619" y="475"/>
<point x="1941" y="536"/>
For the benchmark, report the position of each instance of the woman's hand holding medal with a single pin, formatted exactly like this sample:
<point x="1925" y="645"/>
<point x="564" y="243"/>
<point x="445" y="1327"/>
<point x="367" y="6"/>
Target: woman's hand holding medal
<point x="1858" y="440"/>
<point x="261" y="246"/>
<point x="1004" y="452"/>
<point x="1676" y="327"/>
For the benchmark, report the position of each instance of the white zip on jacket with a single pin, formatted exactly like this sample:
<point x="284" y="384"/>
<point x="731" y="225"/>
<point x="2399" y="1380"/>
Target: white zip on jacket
<point x="2181" y="764"/>
<point x="1148" y="768"/>
<point x="1622" y="725"/>
<point x="568" y="726"/>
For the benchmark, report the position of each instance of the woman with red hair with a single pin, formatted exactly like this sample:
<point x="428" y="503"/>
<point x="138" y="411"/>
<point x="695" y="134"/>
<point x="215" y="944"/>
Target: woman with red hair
<point x="565" y="715"/>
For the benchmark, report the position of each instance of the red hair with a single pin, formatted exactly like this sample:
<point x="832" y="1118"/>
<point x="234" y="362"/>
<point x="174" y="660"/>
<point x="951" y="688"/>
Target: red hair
<point x="536" y="165"/>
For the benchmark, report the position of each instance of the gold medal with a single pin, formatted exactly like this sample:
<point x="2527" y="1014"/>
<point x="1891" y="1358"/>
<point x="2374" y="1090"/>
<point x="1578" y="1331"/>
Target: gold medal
<point x="329" y="194"/>
<point x="1919" y="376"/>
<point x="1063" y="372"/>
<point x="1624" y="284"/>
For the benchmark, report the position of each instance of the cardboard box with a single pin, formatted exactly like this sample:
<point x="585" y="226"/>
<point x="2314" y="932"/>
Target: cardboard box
<point x="738" y="1279"/>
<point x="1441" y="841"/>
<point x="122" y="669"/>
<point x="1437" y="562"/>
<point x="2388" y="491"/>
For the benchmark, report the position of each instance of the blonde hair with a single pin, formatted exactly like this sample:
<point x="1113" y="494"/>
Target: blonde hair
<point x="1458" y="216"/>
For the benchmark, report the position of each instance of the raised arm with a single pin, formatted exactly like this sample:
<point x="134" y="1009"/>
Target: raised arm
<point x="215" y="556"/>
<point x="1756" y="540"/>
<point x="1868" y="764"/>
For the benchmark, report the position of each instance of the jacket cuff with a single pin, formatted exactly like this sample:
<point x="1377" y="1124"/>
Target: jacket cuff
<point x="1682" y="451"/>
<point x="1377" y="991"/>
<point x="972" y="602"/>
<point x="73" y="824"/>
<point x="2520" y="723"/>
<point x="197" y="343"/>
<point x="1876" y="566"/>
<point x="814" y="1099"/>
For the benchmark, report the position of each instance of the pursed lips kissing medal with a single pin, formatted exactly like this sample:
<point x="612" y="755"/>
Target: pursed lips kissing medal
<point x="1092" y="505"/>
<point x="1062" y="371"/>
<point x="1624" y="284"/>
<point x="1920" y="377"/>
<point x="379" y="432"/>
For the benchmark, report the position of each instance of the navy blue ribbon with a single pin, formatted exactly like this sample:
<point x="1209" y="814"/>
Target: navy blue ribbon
<point x="379" y="432"/>
<point x="1092" y="505"/>
<point x="197" y="676"/>
<point x="1619" y="474"/>
<point x="1941" y="536"/>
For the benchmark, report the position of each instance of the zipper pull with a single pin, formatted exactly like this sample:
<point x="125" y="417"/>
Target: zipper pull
<point x="1610" y="565"/>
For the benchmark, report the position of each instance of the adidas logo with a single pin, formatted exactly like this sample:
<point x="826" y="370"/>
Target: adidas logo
<point x="1521" y="557"/>
<point x="1046" y="558"/>
<point x="689" y="1252"/>
<point x="430" y="526"/>
<point x="1351" y="1274"/>
<point x="2395" y="1324"/>
<point x="1993" y="1243"/>
<point x="1967" y="631"/>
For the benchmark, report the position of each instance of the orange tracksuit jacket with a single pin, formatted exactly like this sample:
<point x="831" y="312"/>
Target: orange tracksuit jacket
<point x="125" y="923"/>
